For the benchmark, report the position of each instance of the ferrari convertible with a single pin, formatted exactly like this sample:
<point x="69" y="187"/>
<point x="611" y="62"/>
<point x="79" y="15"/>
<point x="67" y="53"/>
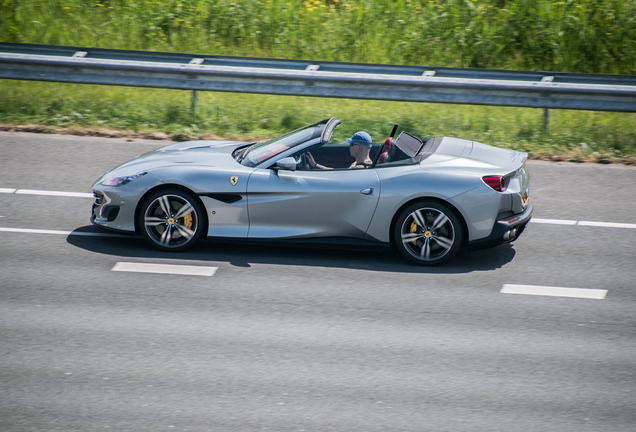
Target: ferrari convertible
<point x="331" y="182"/>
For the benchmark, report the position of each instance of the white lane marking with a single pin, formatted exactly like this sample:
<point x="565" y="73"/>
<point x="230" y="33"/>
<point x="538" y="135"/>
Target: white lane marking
<point x="583" y="223"/>
<point x="553" y="221"/>
<point x="165" y="269"/>
<point x="588" y="293"/>
<point x="607" y="224"/>
<point x="58" y="232"/>
<point x="34" y="231"/>
<point x="54" y="193"/>
<point x="533" y="220"/>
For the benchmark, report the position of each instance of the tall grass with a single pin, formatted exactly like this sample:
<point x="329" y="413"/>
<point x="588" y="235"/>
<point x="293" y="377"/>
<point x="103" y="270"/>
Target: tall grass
<point x="595" y="36"/>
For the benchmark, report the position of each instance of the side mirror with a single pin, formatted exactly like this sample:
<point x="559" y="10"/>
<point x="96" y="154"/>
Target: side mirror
<point x="288" y="163"/>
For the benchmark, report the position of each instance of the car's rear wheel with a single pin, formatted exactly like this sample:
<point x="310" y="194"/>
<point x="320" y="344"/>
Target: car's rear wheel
<point x="428" y="233"/>
<point x="171" y="219"/>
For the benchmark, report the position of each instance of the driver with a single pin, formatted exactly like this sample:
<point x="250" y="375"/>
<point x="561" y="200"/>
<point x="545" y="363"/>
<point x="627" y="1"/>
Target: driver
<point x="359" y="146"/>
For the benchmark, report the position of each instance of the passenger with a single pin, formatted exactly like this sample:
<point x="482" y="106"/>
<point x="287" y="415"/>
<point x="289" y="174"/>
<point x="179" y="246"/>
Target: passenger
<point x="359" y="146"/>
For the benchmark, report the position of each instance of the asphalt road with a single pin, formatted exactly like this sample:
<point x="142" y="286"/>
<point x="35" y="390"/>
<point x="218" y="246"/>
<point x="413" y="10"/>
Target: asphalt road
<point x="293" y="339"/>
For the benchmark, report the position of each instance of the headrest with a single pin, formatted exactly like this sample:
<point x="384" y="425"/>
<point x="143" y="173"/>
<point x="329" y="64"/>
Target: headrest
<point x="388" y="142"/>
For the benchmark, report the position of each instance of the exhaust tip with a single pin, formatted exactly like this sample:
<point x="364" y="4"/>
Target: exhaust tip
<point x="510" y="235"/>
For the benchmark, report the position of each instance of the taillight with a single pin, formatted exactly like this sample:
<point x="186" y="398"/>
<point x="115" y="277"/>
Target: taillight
<point x="498" y="183"/>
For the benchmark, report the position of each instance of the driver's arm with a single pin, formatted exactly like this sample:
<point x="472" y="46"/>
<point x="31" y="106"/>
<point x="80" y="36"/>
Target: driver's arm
<point x="312" y="162"/>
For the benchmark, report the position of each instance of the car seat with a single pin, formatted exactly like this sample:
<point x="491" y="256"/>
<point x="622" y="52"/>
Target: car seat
<point x="384" y="151"/>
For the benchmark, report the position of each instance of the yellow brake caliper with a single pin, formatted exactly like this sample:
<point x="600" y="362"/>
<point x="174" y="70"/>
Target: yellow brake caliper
<point x="414" y="229"/>
<point x="187" y="220"/>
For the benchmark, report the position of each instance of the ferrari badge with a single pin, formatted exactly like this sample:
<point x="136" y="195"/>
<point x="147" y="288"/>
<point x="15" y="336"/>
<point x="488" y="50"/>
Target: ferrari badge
<point x="234" y="180"/>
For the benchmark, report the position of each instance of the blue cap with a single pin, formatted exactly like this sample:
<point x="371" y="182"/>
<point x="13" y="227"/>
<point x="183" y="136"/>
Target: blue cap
<point x="360" y="138"/>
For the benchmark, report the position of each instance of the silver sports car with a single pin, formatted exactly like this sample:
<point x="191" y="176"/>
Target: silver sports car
<point x="329" y="182"/>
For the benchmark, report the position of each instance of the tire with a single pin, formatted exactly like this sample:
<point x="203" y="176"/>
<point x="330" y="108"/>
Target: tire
<point x="172" y="219"/>
<point x="428" y="233"/>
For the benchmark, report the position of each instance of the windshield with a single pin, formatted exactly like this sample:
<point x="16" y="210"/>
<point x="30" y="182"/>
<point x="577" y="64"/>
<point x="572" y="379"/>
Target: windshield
<point x="261" y="152"/>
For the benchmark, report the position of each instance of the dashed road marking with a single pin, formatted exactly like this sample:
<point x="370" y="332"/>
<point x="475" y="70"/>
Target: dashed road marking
<point x="58" y="232"/>
<point x="46" y="192"/>
<point x="583" y="223"/>
<point x="54" y="193"/>
<point x="533" y="220"/>
<point x="34" y="231"/>
<point x="165" y="269"/>
<point x="553" y="221"/>
<point x="597" y="294"/>
<point x="607" y="224"/>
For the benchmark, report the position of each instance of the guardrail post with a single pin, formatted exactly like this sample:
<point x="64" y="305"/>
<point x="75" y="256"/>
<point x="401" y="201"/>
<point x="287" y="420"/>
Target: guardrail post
<point x="546" y="121"/>
<point x="193" y="102"/>
<point x="195" y="93"/>
<point x="546" y="111"/>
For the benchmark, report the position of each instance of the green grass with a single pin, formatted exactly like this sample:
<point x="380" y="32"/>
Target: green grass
<point x="594" y="36"/>
<point x="83" y="109"/>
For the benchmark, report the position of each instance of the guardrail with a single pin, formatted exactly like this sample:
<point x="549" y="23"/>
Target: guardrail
<point x="321" y="79"/>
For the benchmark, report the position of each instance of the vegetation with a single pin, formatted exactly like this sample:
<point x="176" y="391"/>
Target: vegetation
<point x="596" y="36"/>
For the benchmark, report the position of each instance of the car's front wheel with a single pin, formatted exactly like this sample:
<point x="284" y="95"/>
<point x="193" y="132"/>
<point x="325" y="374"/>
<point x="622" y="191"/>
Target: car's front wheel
<point x="428" y="233"/>
<point x="171" y="220"/>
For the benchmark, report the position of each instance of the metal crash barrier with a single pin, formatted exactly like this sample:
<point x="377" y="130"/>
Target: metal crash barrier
<point x="320" y="79"/>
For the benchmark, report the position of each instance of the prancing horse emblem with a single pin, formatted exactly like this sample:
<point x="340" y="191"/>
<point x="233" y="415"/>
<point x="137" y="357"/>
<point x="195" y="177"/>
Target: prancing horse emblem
<point x="234" y="180"/>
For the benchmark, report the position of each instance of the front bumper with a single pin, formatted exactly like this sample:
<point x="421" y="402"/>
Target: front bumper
<point x="114" y="206"/>
<point x="505" y="230"/>
<point x="110" y="211"/>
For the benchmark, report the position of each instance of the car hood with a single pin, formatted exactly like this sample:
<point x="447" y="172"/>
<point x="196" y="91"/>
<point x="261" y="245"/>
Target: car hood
<point x="453" y="152"/>
<point x="209" y="153"/>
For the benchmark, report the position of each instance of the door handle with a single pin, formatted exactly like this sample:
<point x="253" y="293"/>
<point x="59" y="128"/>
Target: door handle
<point x="368" y="191"/>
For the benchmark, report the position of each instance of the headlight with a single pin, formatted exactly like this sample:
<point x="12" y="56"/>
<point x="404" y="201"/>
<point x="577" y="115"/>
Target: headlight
<point x="118" y="181"/>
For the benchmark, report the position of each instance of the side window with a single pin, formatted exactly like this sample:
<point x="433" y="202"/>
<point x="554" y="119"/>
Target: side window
<point x="338" y="154"/>
<point x="330" y="155"/>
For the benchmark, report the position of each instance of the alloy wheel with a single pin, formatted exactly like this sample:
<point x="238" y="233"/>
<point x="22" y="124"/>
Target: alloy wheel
<point x="428" y="234"/>
<point x="170" y="221"/>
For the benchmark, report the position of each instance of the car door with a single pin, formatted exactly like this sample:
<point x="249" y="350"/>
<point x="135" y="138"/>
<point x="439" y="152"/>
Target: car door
<point x="317" y="203"/>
